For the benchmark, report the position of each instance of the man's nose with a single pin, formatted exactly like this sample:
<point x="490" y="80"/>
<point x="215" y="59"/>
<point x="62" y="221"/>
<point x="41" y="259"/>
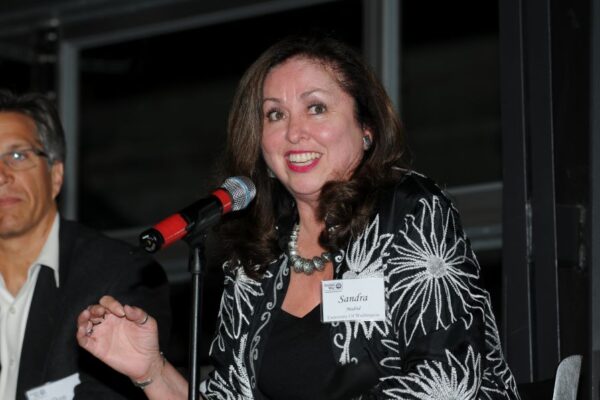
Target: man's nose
<point x="6" y="173"/>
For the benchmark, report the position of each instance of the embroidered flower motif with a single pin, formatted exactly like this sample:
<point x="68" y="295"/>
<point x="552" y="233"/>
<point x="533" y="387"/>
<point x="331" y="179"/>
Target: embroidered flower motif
<point x="429" y="271"/>
<point x="394" y="360"/>
<point x="498" y="369"/>
<point x="236" y="306"/>
<point x="283" y="271"/>
<point x="432" y="265"/>
<point x="435" y="380"/>
<point x="237" y="385"/>
<point x="364" y="257"/>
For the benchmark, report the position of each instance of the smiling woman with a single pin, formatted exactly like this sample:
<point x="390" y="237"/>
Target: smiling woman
<point x="310" y="131"/>
<point x="317" y="134"/>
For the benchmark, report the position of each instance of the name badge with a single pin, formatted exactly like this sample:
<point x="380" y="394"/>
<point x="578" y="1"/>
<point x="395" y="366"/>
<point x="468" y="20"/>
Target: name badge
<point x="353" y="300"/>
<point x="63" y="389"/>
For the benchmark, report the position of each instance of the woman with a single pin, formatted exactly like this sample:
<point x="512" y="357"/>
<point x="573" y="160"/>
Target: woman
<point x="316" y="132"/>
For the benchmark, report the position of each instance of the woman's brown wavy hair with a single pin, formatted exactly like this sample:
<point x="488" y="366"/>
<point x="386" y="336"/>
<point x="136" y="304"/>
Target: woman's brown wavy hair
<point x="250" y="236"/>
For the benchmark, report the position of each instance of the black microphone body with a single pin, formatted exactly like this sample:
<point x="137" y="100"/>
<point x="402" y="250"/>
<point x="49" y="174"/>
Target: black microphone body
<point x="203" y="214"/>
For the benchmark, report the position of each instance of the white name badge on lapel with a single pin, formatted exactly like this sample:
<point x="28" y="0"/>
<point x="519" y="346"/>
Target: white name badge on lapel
<point x="62" y="389"/>
<point x="353" y="300"/>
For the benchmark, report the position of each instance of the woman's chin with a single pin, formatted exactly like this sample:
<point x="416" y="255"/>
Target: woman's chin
<point x="306" y="194"/>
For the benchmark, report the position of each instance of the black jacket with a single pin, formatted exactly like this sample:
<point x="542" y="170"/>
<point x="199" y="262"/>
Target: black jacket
<point x="90" y="266"/>
<point x="439" y="339"/>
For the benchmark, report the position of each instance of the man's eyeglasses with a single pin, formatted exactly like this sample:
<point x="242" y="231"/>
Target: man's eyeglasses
<point x="19" y="160"/>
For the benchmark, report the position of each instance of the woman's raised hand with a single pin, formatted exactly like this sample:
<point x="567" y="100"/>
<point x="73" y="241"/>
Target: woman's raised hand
<point x="122" y="336"/>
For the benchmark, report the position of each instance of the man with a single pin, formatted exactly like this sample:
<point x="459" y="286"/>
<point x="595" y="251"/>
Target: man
<point x="52" y="268"/>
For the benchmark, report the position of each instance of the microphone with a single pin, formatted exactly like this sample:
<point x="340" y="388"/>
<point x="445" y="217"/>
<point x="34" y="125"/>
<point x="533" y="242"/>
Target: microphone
<point x="234" y="194"/>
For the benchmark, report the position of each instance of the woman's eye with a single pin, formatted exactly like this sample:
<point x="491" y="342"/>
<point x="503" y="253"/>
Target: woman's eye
<point x="317" y="108"/>
<point x="274" y="115"/>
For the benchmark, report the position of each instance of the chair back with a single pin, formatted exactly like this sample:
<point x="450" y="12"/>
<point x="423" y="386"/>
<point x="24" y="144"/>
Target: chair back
<point x="567" y="378"/>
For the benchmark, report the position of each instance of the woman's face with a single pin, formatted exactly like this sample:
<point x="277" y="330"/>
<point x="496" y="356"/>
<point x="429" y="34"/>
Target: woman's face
<point x="310" y="134"/>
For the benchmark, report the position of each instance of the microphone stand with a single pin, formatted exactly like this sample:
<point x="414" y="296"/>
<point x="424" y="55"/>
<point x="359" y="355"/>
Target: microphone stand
<point x="196" y="241"/>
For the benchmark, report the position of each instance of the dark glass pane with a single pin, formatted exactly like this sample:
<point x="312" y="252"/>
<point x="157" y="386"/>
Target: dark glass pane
<point x="450" y="90"/>
<point x="14" y="75"/>
<point x="450" y="104"/>
<point x="154" y="111"/>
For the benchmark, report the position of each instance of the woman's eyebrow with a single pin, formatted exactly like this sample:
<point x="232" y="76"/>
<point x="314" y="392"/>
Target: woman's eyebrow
<point x="313" y="91"/>
<point x="273" y="99"/>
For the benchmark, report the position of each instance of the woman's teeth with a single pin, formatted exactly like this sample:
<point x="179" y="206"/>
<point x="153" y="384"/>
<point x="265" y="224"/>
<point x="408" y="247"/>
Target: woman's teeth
<point x="302" y="158"/>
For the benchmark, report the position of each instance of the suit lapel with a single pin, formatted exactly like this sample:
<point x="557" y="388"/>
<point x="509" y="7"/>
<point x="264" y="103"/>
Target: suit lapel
<point x="44" y="318"/>
<point x="39" y="332"/>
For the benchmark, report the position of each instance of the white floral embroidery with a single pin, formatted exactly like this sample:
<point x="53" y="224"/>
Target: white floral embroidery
<point x="498" y="367"/>
<point x="431" y="268"/>
<point x="364" y="258"/>
<point x="237" y="384"/>
<point x="392" y="361"/>
<point x="265" y="318"/>
<point x="435" y="380"/>
<point x="431" y="278"/>
<point x="236" y="306"/>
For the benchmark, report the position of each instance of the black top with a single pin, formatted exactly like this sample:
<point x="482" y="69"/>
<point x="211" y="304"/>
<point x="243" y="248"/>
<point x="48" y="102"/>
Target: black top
<point x="298" y="360"/>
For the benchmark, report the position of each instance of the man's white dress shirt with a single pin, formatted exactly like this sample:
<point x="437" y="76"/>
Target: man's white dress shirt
<point x="14" y="312"/>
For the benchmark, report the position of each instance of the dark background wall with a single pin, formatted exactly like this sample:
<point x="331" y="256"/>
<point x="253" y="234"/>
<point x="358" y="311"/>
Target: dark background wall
<point x="495" y="97"/>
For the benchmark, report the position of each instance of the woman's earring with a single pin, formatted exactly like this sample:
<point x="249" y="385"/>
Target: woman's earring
<point x="367" y="142"/>
<point x="270" y="173"/>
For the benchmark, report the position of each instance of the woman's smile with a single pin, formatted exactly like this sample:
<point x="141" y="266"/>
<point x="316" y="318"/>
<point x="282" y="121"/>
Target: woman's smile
<point x="310" y="133"/>
<point x="302" y="161"/>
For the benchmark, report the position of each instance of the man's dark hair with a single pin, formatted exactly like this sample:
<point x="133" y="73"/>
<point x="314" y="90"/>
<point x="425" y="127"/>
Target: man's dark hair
<point x="39" y="108"/>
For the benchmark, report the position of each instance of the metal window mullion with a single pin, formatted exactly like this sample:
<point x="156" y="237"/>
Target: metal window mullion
<point x="68" y="96"/>
<point x="543" y="200"/>
<point x="516" y="246"/>
<point x="381" y="43"/>
<point x="594" y="231"/>
<point x="390" y="50"/>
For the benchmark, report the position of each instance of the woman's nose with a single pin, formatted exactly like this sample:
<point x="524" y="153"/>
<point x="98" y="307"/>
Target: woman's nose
<point x="296" y="129"/>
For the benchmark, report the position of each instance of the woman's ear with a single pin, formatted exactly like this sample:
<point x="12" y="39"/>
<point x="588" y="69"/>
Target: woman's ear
<point x="367" y="139"/>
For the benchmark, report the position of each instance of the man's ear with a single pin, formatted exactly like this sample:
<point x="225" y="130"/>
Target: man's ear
<point x="56" y="175"/>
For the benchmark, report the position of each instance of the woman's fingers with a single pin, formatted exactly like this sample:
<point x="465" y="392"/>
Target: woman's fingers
<point x="94" y="315"/>
<point x="83" y="317"/>
<point x="112" y="305"/>
<point x="85" y="328"/>
<point x="85" y="331"/>
<point x="97" y="313"/>
<point x="136" y="314"/>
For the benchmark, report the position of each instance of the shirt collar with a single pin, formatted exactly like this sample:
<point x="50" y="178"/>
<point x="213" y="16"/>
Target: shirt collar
<point x="50" y="252"/>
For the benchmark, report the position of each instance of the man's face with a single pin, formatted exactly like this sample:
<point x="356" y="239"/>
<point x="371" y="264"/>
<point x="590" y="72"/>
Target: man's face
<point x="26" y="196"/>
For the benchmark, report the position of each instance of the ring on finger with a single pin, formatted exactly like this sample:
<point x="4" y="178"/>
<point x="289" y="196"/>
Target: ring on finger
<point x="145" y="319"/>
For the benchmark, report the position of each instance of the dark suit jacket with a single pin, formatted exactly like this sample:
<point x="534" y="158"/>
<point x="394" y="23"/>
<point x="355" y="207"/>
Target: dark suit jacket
<point x="90" y="266"/>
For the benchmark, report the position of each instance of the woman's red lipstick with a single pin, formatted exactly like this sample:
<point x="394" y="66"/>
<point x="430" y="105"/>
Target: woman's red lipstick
<point x="300" y="168"/>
